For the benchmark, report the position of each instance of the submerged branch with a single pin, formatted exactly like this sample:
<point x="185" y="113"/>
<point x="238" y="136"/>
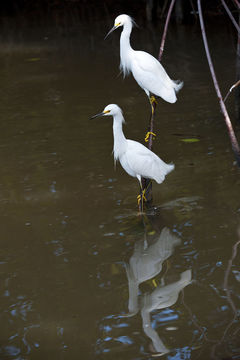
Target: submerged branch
<point x="230" y="262"/>
<point x="201" y="329"/>
<point x="234" y="142"/>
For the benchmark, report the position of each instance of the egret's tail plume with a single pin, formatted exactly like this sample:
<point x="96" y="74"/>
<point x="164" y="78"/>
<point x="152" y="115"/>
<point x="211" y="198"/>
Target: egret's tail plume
<point x="178" y="85"/>
<point x="170" y="167"/>
<point x="162" y="170"/>
<point x="186" y="277"/>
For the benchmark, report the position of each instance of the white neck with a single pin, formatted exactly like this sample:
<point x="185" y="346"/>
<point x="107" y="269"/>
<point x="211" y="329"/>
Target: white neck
<point x="125" y="48"/>
<point x="120" y="142"/>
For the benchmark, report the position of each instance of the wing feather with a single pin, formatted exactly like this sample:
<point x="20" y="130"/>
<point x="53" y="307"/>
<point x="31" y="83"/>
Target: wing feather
<point x="150" y="75"/>
<point x="145" y="163"/>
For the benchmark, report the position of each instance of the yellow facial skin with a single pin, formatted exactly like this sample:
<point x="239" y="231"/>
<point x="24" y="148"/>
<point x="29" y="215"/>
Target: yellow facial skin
<point x="106" y="111"/>
<point x="116" y="25"/>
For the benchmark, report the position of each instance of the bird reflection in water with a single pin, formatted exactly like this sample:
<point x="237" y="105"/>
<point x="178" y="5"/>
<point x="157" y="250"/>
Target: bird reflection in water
<point x="146" y="263"/>
<point x="160" y="298"/>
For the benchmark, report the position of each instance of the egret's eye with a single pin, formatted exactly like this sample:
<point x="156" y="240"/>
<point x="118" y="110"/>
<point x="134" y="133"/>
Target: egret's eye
<point x="106" y="111"/>
<point x="118" y="24"/>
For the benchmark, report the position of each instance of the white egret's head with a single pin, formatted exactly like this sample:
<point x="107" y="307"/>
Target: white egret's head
<point x="121" y="20"/>
<point x="109" y="110"/>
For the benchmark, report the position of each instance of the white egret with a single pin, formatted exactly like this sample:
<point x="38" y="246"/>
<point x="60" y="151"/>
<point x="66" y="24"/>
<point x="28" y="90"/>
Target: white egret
<point x="147" y="71"/>
<point x="137" y="160"/>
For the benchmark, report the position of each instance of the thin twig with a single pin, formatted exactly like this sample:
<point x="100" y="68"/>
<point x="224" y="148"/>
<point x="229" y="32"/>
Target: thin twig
<point x="165" y="30"/>
<point x="231" y="89"/>
<point x="163" y="8"/>
<point x="193" y="9"/>
<point x="230" y="262"/>
<point x="231" y="133"/>
<point x="237" y="4"/>
<point x="237" y="92"/>
<point x="194" y="321"/>
<point x="231" y="16"/>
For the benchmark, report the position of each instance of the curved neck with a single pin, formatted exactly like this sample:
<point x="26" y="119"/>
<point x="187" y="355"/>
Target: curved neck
<point x="125" y="36"/>
<point x="118" y="136"/>
<point x="125" y="48"/>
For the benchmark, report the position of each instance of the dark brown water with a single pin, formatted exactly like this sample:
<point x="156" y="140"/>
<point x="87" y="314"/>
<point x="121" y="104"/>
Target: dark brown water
<point x="82" y="275"/>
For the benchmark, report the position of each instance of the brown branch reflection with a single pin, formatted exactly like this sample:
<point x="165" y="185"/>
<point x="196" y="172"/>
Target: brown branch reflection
<point x="216" y="343"/>
<point x="228" y="297"/>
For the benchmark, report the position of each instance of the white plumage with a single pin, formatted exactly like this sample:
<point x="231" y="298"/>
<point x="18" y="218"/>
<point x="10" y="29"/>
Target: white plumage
<point x="147" y="71"/>
<point x="137" y="160"/>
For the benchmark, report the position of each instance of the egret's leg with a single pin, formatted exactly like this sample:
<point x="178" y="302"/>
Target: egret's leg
<point x="141" y="197"/>
<point x="150" y="136"/>
<point x="146" y="190"/>
<point x="153" y="103"/>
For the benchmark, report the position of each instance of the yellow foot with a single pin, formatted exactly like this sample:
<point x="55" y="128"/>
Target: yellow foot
<point x="141" y="196"/>
<point x="152" y="100"/>
<point x="148" y="134"/>
<point x="154" y="283"/>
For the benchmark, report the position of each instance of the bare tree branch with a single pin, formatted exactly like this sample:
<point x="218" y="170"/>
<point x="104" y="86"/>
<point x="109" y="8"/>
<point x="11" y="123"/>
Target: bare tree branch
<point x="231" y="133"/>
<point x="237" y="4"/>
<point x="163" y="8"/>
<point x="231" y="16"/>
<point x="165" y="30"/>
<point x="231" y="89"/>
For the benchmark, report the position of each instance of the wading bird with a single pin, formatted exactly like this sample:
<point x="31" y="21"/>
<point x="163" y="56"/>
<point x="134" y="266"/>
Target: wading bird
<point x="147" y="71"/>
<point x="137" y="160"/>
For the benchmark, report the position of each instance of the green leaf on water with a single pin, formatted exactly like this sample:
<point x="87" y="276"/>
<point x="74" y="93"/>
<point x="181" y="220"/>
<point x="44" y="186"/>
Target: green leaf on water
<point x="114" y="269"/>
<point x="33" y="59"/>
<point x="192" y="140"/>
<point x="153" y="232"/>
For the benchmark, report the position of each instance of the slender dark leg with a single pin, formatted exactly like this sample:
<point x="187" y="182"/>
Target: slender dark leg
<point x="150" y="134"/>
<point x="146" y="183"/>
<point x="141" y="198"/>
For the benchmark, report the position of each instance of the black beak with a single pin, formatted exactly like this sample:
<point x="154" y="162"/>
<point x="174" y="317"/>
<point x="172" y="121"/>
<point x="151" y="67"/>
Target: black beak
<point x="112" y="29"/>
<point x="97" y="115"/>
